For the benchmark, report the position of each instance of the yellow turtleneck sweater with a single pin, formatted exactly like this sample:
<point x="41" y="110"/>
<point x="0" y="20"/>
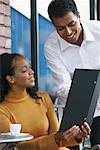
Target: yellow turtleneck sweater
<point x="37" y="118"/>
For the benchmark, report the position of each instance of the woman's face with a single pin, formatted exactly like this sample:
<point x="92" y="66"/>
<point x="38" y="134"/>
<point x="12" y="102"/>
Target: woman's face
<point x="69" y="28"/>
<point x="24" y="75"/>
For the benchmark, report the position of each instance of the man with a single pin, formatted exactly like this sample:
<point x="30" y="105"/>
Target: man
<point x="74" y="44"/>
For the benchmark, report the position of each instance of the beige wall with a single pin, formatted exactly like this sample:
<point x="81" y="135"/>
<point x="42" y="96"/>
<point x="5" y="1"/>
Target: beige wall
<point x="5" y="27"/>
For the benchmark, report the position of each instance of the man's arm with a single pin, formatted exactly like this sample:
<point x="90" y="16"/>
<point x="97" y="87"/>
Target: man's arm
<point x="60" y="74"/>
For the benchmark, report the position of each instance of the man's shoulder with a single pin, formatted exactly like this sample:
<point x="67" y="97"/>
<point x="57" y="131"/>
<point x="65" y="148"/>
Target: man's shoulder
<point x="53" y="34"/>
<point x="92" y="24"/>
<point x="92" y="28"/>
<point x="52" y="38"/>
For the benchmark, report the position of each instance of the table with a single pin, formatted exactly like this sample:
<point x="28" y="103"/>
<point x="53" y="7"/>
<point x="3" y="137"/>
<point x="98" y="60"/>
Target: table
<point x="6" y="138"/>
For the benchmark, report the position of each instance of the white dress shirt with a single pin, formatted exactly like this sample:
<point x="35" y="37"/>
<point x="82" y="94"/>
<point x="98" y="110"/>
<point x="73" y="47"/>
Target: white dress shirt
<point x="63" y="57"/>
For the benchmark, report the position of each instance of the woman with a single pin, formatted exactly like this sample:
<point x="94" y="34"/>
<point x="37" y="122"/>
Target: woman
<point x="19" y="103"/>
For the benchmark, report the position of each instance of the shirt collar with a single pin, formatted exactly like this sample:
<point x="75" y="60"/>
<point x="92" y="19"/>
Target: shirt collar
<point x="87" y="37"/>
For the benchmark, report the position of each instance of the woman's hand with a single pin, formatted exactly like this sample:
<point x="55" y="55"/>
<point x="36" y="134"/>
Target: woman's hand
<point x="64" y="137"/>
<point x="84" y="131"/>
<point x="75" y="132"/>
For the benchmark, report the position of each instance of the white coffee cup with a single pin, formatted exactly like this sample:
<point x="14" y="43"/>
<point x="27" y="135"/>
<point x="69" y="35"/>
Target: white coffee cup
<point x="15" y="129"/>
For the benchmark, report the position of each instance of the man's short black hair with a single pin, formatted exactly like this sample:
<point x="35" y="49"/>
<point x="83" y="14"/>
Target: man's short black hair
<point x="59" y="8"/>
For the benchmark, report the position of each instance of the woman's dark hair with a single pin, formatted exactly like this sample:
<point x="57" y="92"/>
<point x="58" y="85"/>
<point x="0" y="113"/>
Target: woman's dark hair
<point x="7" y="68"/>
<point x="59" y="8"/>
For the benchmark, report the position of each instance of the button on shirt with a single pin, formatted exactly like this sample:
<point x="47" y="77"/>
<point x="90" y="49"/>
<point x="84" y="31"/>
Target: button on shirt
<point x="63" y="57"/>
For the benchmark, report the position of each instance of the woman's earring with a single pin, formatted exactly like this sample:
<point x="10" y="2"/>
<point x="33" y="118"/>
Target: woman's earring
<point x="12" y="82"/>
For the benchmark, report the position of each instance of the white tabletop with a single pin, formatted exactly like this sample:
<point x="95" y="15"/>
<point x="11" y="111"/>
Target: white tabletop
<point x="7" y="138"/>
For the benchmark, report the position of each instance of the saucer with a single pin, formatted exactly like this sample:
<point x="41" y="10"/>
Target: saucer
<point x="10" y="134"/>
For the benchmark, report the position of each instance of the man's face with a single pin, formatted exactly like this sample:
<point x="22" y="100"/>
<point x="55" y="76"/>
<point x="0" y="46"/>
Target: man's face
<point x="69" y="28"/>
